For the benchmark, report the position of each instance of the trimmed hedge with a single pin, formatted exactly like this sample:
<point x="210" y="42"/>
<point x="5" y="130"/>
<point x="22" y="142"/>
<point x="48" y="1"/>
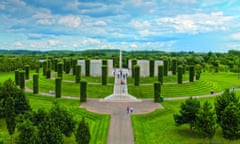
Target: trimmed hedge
<point x="104" y="74"/>
<point x="157" y="91"/>
<point x="17" y="77"/>
<point x="78" y="71"/>
<point x="26" y="68"/>
<point x="136" y="75"/>
<point x="160" y="73"/>
<point x="191" y="73"/>
<point x="48" y="74"/>
<point x="44" y="64"/>
<point x="35" y="83"/>
<point x="74" y="63"/>
<point x="87" y="67"/>
<point x="22" y="79"/>
<point x="134" y="62"/>
<point x="83" y="91"/>
<point x="151" y="68"/>
<point x="165" y="64"/>
<point x="58" y="87"/>
<point x="180" y="74"/>
<point x="60" y="69"/>
<point x="174" y="66"/>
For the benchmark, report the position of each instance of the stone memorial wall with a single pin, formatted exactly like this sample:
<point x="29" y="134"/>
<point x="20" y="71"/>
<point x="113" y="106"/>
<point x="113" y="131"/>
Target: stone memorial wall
<point x="82" y="64"/>
<point x="110" y="68"/>
<point x="95" y="67"/>
<point x="156" y="64"/>
<point x="144" y="67"/>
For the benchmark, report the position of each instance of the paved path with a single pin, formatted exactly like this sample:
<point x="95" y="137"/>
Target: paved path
<point x="120" y="129"/>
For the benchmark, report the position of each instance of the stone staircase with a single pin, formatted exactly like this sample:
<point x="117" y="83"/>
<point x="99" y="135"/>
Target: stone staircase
<point x="120" y="92"/>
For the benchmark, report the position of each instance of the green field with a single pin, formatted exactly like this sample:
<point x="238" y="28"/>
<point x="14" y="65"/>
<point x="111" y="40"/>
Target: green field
<point x="158" y="127"/>
<point x="96" y="121"/>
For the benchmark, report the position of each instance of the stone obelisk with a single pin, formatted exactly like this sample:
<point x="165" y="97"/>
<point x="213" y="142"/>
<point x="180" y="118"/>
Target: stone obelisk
<point x="120" y="60"/>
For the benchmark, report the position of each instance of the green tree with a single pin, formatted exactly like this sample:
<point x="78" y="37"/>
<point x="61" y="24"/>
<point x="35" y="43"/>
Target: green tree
<point x="62" y="118"/>
<point x="231" y="121"/>
<point x="188" y="112"/>
<point x="49" y="132"/>
<point x="206" y="121"/>
<point x="27" y="133"/>
<point x="21" y="102"/>
<point x="222" y="101"/>
<point x="10" y="116"/>
<point x="83" y="134"/>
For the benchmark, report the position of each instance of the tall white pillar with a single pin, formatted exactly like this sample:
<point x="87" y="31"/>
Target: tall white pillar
<point x="120" y="60"/>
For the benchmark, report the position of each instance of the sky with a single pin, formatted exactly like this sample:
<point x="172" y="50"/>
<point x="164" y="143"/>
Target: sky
<point x="130" y="25"/>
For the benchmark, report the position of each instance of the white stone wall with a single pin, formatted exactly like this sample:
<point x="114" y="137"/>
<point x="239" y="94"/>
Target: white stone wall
<point x="130" y="67"/>
<point x="82" y="64"/>
<point x="95" y="67"/>
<point x="110" y="68"/>
<point x="144" y="67"/>
<point x="156" y="64"/>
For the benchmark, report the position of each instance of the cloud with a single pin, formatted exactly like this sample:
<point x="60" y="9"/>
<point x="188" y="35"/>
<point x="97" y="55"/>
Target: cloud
<point x="235" y="36"/>
<point x="100" y="23"/>
<point x="90" y="41"/>
<point x="133" y="45"/>
<point x="196" y="23"/>
<point x="53" y="42"/>
<point x="19" y="44"/>
<point x="70" y="21"/>
<point x="2" y="6"/>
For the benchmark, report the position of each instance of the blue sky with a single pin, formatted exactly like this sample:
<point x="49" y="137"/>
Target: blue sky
<point x="166" y="25"/>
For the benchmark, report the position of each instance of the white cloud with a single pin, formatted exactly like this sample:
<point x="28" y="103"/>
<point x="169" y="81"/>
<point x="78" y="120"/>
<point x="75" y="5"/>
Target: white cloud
<point x="133" y="45"/>
<point x="140" y="24"/>
<point x="19" y="44"/>
<point x="17" y="3"/>
<point x="70" y="21"/>
<point x="100" y="23"/>
<point x="90" y="41"/>
<point x="53" y="42"/>
<point x="235" y="36"/>
<point x="44" y="22"/>
<point x="45" y="14"/>
<point x="195" y="23"/>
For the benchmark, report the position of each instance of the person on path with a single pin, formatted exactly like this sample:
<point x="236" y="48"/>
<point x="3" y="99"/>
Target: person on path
<point x="128" y="109"/>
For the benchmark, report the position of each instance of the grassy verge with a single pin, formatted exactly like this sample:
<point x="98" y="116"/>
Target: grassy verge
<point x="98" y="123"/>
<point x="159" y="127"/>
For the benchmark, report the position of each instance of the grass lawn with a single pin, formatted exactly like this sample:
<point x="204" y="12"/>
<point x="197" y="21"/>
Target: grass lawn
<point x="209" y="81"/>
<point x="159" y="127"/>
<point x="98" y="123"/>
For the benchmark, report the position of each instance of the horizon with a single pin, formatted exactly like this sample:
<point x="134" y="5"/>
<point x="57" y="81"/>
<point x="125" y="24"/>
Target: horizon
<point x="134" y="25"/>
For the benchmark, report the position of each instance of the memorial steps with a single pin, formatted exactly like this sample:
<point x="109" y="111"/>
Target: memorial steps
<point x="120" y="92"/>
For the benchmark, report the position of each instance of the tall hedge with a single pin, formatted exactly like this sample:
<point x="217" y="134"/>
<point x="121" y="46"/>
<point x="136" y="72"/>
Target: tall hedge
<point x="35" y="83"/>
<point x="74" y="63"/>
<point x="179" y="74"/>
<point x="48" y="73"/>
<point x="78" y="71"/>
<point x="191" y="73"/>
<point x="157" y="91"/>
<point x="67" y="66"/>
<point x="136" y="75"/>
<point x="55" y="67"/>
<point x="166" y="67"/>
<point x="58" y="87"/>
<point x="151" y="68"/>
<point x="22" y="79"/>
<point x="104" y="74"/>
<point x="174" y="66"/>
<point x="160" y="73"/>
<point x="44" y="67"/>
<point x="134" y="62"/>
<point x="60" y="69"/>
<point x="87" y="67"/>
<point x="105" y="62"/>
<point x="17" y="77"/>
<point x="26" y="68"/>
<point x="83" y="91"/>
